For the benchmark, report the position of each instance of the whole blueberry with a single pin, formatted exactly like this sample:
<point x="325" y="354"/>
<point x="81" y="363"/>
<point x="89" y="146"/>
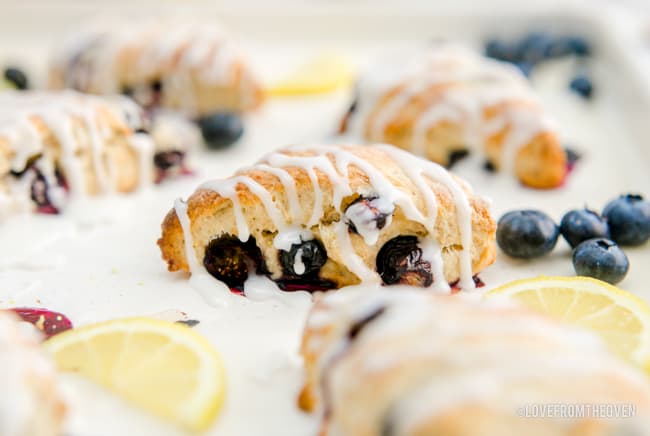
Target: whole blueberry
<point x="500" y="50"/>
<point x="525" y="67"/>
<point x="526" y="234"/>
<point x="16" y="77"/>
<point x="570" y="45"/>
<point x="221" y="129"/>
<point x="582" y="224"/>
<point x="601" y="259"/>
<point x="582" y="85"/>
<point x="629" y="219"/>
<point x="535" y="47"/>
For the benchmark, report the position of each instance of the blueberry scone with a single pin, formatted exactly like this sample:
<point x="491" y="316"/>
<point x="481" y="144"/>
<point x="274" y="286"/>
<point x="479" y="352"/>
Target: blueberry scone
<point x="322" y="217"/>
<point x="196" y="69"/>
<point x="446" y="102"/>
<point x="30" y="402"/>
<point x="408" y="363"/>
<point x="54" y="145"/>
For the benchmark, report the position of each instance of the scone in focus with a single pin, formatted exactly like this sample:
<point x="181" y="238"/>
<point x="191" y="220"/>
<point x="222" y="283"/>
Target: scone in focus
<point x="322" y="217"/>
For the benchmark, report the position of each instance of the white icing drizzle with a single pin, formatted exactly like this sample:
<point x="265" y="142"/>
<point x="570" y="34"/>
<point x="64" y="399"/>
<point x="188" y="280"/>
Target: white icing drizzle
<point x="171" y="49"/>
<point x="488" y="352"/>
<point x="334" y="163"/>
<point x="60" y="112"/>
<point x="466" y="84"/>
<point x="363" y="218"/>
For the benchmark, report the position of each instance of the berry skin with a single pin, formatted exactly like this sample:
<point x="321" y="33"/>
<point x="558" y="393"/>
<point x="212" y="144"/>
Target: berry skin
<point x="312" y="257"/>
<point x="221" y="130"/>
<point x="400" y="261"/>
<point x="601" y="259"/>
<point x="582" y="224"/>
<point x="628" y="217"/>
<point x="582" y="86"/>
<point x="230" y="260"/>
<point x="526" y="234"/>
<point x="17" y="78"/>
<point x="500" y="50"/>
<point x="48" y="322"/>
<point x="535" y="48"/>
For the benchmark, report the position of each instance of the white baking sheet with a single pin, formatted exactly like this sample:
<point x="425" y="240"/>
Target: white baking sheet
<point x="100" y="261"/>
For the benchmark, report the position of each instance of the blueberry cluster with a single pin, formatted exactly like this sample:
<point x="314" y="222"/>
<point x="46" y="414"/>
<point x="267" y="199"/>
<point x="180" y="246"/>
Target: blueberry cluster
<point x="535" y="48"/>
<point x="595" y="238"/>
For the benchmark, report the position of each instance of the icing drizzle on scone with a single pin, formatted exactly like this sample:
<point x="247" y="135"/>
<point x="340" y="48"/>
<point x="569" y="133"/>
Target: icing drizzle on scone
<point x="450" y="84"/>
<point x="59" y="144"/>
<point x="368" y="214"/>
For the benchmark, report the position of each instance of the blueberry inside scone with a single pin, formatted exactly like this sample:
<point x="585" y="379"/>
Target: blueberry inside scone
<point x="317" y="218"/>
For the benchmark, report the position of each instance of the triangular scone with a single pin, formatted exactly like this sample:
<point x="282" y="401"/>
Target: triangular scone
<point x="59" y="144"/>
<point x="195" y="68"/>
<point x="405" y="362"/>
<point x="445" y="102"/>
<point x="377" y="214"/>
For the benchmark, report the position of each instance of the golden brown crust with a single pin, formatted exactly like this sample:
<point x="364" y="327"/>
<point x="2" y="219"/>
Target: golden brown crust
<point x="199" y="94"/>
<point x="211" y="215"/>
<point x="539" y="163"/>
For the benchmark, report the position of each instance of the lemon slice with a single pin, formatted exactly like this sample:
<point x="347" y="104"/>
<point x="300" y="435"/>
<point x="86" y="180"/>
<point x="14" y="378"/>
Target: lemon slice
<point x="323" y="74"/>
<point x="166" y="368"/>
<point x="621" y="319"/>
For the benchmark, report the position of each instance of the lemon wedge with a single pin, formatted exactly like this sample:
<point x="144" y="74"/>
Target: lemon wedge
<point x="166" y="368"/>
<point x="620" y="318"/>
<point x="324" y="74"/>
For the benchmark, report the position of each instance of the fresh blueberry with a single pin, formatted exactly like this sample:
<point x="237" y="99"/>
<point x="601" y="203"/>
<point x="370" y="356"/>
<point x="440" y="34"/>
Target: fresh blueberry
<point x="221" y="129"/>
<point x="570" y="45"/>
<point x="304" y="259"/>
<point x="525" y="67"/>
<point x="500" y="50"/>
<point x="578" y="45"/>
<point x="582" y="224"/>
<point x="601" y="259"/>
<point x="17" y="78"/>
<point x="582" y="85"/>
<point x="535" y="47"/>
<point x="629" y="219"/>
<point x="526" y="234"/>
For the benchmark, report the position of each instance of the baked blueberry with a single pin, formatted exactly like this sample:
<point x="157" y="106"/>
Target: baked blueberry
<point x="456" y="156"/>
<point x="400" y="261"/>
<point x="230" y="260"/>
<point x="628" y="217"/>
<point x="601" y="259"/>
<point x="221" y="129"/>
<point x="526" y="234"/>
<point x="581" y="85"/>
<point x="582" y="224"/>
<point x="17" y="78"/>
<point x="366" y="215"/>
<point x="165" y="160"/>
<point x="572" y="157"/>
<point x="304" y="259"/>
<point x="489" y="166"/>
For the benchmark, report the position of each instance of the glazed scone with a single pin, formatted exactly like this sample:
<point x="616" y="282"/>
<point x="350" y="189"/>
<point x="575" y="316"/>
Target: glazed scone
<point x="59" y="144"/>
<point x="445" y="102"/>
<point x="194" y="68"/>
<point x="30" y="402"/>
<point x="322" y="217"/>
<point x="402" y="362"/>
